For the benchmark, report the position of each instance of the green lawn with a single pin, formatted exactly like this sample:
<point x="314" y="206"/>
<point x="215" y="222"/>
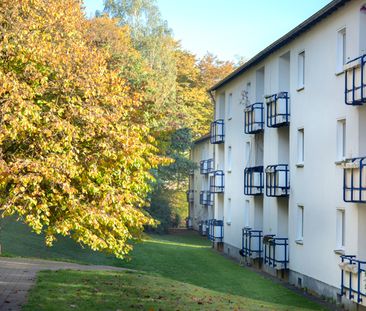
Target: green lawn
<point x="182" y="270"/>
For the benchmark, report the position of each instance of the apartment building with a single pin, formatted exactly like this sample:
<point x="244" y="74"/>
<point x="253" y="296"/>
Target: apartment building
<point x="288" y="176"/>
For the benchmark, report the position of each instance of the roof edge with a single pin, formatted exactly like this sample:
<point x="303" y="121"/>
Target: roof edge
<point x="202" y="139"/>
<point x="288" y="37"/>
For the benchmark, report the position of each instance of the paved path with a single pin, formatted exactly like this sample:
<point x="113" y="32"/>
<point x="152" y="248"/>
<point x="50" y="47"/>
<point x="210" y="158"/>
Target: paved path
<point x="17" y="276"/>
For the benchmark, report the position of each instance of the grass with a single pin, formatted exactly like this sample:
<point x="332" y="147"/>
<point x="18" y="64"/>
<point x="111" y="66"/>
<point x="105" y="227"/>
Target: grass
<point x="183" y="269"/>
<point x="76" y="290"/>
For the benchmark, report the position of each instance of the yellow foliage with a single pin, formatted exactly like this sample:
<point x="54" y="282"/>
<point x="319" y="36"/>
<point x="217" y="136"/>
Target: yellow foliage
<point x="75" y="153"/>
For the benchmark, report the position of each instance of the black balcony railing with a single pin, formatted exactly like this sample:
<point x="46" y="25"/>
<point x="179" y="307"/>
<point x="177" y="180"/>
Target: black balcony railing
<point x="253" y="180"/>
<point x="217" y="182"/>
<point x="277" y="180"/>
<point x="278" y="110"/>
<point x="217" y="133"/>
<point x="354" y="180"/>
<point x="254" y="119"/>
<point x="355" y="81"/>
<point x="275" y="252"/>
<point x="352" y="278"/>
<point x="251" y="243"/>
<point x="206" y="198"/>
<point x="206" y="166"/>
<point x="216" y="230"/>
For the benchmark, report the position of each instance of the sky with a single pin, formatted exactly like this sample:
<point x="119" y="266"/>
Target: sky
<point x="230" y="29"/>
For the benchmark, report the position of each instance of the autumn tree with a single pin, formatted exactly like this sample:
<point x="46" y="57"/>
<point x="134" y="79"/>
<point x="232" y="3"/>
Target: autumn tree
<point x="151" y="36"/>
<point x="175" y="93"/>
<point x="75" y="153"/>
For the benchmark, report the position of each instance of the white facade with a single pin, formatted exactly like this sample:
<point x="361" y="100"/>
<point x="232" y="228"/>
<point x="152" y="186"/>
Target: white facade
<point x="321" y="133"/>
<point x="200" y="211"/>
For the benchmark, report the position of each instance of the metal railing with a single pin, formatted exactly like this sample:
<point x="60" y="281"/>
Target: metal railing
<point x="353" y="279"/>
<point x="216" y="230"/>
<point x="217" y="133"/>
<point x="206" y="198"/>
<point x="354" y="180"/>
<point x="355" y="81"/>
<point x="254" y="118"/>
<point x="275" y="252"/>
<point x="251" y="243"/>
<point x="217" y="182"/>
<point x="206" y="166"/>
<point x="277" y="180"/>
<point x="253" y="180"/>
<point x="278" y="109"/>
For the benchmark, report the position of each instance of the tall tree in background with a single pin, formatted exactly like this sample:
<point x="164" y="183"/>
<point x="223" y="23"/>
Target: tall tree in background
<point x="176" y="89"/>
<point x="75" y="153"/>
<point x="153" y="39"/>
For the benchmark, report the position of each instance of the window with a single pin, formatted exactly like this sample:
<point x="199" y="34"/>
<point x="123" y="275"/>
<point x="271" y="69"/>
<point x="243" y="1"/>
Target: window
<point x="341" y="49"/>
<point x="246" y="214"/>
<point x="300" y="223"/>
<point x="247" y="153"/>
<point x="229" y="159"/>
<point x="340" y="234"/>
<point x="341" y="140"/>
<point x="228" y="220"/>
<point x="300" y="146"/>
<point x="301" y="70"/>
<point x="229" y="107"/>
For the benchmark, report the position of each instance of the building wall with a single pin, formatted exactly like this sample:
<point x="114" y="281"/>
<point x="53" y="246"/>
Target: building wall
<point x="199" y="182"/>
<point x="317" y="183"/>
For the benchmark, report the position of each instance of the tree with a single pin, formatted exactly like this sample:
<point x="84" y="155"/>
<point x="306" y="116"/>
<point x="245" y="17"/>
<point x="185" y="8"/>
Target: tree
<point x="168" y="197"/>
<point x="152" y="38"/>
<point x="75" y="154"/>
<point x="194" y="78"/>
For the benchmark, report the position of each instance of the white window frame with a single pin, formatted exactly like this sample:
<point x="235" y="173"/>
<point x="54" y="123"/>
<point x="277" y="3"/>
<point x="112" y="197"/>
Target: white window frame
<point x="228" y="214"/>
<point x="341" y="140"/>
<point x="247" y="153"/>
<point x="229" y="158"/>
<point x="300" y="147"/>
<point x="300" y="223"/>
<point x="230" y="107"/>
<point x="340" y="229"/>
<point x="301" y="60"/>
<point x="341" y="49"/>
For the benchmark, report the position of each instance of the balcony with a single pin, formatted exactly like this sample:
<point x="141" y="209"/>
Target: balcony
<point x="353" y="280"/>
<point x="216" y="230"/>
<point x="206" y="198"/>
<point x="278" y="110"/>
<point x="217" y="134"/>
<point x="275" y="252"/>
<point x="354" y="180"/>
<point x="277" y="180"/>
<point x="217" y="182"/>
<point x="202" y="227"/>
<point x="190" y="196"/>
<point x="253" y="180"/>
<point x="254" y="119"/>
<point x="206" y="166"/>
<point x="355" y="81"/>
<point x="251" y="243"/>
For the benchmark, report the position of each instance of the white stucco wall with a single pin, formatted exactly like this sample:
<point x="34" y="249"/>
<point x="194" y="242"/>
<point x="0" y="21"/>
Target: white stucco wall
<point x="318" y="184"/>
